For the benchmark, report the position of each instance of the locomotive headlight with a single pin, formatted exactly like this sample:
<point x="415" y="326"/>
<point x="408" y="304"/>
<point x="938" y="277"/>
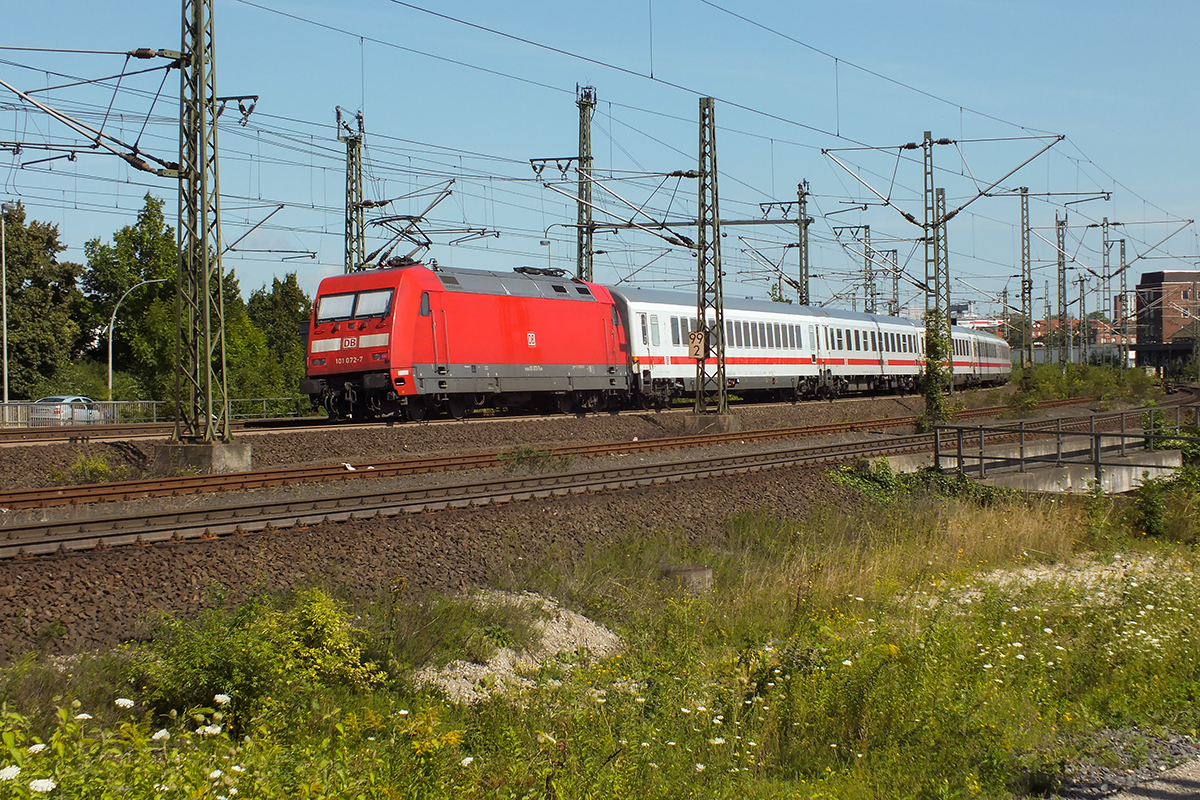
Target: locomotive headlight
<point x="318" y="362"/>
<point x="378" y="356"/>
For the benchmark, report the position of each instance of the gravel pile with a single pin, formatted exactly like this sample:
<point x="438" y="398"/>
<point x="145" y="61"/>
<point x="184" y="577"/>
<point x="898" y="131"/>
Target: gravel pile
<point x="1143" y="757"/>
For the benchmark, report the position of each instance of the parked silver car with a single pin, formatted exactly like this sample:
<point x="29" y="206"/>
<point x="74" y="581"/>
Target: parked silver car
<point x="64" y="410"/>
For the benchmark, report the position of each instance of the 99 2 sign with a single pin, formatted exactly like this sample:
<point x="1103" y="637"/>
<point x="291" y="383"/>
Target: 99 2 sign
<point x="697" y="344"/>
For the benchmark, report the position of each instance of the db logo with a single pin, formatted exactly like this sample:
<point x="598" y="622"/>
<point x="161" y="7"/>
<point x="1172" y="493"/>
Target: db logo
<point x="349" y="342"/>
<point x="531" y="338"/>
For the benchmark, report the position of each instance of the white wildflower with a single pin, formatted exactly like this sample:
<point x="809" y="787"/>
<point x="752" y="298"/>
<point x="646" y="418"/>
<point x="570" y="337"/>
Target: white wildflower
<point x="37" y="748"/>
<point x="466" y="762"/>
<point x="717" y="740"/>
<point x="216" y="773"/>
<point x="9" y="772"/>
<point x="237" y="768"/>
<point x="84" y="715"/>
<point x="161" y="735"/>
<point x="221" y="699"/>
<point x="42" y="785"/>
<point x="124" y="702"/>
<point x="847" y="663"/>
<point x="699" y="768"/>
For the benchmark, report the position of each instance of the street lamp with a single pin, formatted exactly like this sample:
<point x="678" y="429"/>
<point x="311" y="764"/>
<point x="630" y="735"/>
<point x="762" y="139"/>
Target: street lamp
<point x="4" y="209"/>
<point x="112" y="322"/>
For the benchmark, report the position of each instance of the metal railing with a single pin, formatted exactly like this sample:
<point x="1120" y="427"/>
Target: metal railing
<point x="121" y="412"/>
<point x="965" y="447"/>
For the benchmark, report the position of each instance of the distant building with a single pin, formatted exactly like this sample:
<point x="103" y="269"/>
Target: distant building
<point x="1166" y="306"/>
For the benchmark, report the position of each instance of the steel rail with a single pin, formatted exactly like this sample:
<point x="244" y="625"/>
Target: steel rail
<point x="43" y="538"/>
<point x="283" y="476"/>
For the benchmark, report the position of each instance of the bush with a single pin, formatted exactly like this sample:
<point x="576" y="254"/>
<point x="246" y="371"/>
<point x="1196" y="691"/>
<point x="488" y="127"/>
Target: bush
<point x="263" y="656"/>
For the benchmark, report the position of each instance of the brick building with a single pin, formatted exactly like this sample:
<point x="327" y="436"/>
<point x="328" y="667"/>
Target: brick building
<point x="1167" y="302"/>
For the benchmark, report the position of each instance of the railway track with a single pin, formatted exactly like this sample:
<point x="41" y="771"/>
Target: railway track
<point x="43" y="538"/>
<point x="285" y="476"/>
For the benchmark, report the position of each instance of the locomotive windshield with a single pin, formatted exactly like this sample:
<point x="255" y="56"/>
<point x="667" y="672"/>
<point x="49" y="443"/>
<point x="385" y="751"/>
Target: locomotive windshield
<point x="354" y="305"/>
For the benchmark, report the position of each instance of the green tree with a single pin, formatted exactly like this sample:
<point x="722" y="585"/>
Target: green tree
<point x="281" y="314"/>
<point x="144" y="334"/>
<point x="251" y="369"/>
<point x="44" y="306"/>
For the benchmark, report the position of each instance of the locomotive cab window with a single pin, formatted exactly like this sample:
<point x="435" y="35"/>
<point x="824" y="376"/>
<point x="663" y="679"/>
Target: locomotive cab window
<point x="373" y="304"/>
<point x="354" y="305"/>
<point x="425" y="311"/>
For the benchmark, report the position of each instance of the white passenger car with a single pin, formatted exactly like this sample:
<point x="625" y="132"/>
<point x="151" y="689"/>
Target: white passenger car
<point x="789" y="352"/>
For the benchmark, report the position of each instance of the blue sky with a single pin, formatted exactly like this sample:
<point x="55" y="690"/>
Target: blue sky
<point x="445" y="100"/>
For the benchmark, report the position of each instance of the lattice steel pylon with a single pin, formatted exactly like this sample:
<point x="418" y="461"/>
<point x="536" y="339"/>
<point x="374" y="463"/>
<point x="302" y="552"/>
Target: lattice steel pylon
<point x="937" y="268"/>
<point x="356" y="242"/>
<point x="892" y="259"/>
<point x="710" y="304"/>
<point x="1026" y="279"/>
<point x="586" y="100"/>
<point x="870" y="294"/>
<point x="802" y="296"/>
<point x="1125" y="306"/>
<point x="1064" y="331"/>
<point x="1105" y="303"/>
<point x="201" y="390"/>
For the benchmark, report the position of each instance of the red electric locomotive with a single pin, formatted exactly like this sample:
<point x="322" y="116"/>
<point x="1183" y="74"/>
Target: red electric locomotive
<point x="396" y="342"/>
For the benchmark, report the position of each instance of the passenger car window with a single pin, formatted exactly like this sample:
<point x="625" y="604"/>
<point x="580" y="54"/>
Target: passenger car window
<point x="654" y="339"/>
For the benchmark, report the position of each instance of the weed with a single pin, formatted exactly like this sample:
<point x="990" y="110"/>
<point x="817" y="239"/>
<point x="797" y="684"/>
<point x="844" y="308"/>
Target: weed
<point x="534" y="460"/>
<point x="89" y="467"/>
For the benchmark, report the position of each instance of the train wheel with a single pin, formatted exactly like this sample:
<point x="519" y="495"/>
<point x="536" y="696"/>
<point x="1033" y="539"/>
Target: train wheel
<point x="415" y="410"/>
<point x="566" y="403"/>
<point x="456" y="406"/>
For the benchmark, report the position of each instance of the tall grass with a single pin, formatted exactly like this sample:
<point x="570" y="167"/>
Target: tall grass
<point x="930" y="643"/>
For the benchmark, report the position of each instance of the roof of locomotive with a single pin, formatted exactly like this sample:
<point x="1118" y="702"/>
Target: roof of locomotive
<point x="530" y="282"/>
